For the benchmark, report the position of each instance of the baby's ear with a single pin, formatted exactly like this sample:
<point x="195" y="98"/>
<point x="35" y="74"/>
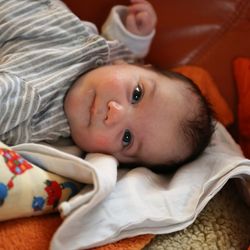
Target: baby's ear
<point x="119" y="61"/>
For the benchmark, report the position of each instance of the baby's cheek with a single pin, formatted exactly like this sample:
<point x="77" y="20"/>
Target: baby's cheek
<point x="104" y="144"/>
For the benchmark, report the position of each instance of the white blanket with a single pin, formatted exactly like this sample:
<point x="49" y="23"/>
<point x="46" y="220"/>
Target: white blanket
<point x="138" y="201"/>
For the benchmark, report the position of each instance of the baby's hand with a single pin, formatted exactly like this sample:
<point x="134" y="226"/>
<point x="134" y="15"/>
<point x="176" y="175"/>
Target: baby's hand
<point x="141" y="18"/>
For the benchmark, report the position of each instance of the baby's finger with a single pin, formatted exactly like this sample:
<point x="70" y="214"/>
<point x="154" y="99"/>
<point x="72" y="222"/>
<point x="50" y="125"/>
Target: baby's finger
<point x="131" y="25"/>
<point x="141" y="6"/>
<point x="144" y="23"/>
<point x="142" y="18"/>
<point x="144" y="7"/>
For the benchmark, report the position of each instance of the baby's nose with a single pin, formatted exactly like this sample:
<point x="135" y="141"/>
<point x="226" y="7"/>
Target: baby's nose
<point x="115" y="113"/>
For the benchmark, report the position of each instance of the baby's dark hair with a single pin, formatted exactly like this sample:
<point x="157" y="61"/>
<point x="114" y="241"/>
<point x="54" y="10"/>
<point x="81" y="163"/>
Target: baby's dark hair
<point x="197" y="130"/>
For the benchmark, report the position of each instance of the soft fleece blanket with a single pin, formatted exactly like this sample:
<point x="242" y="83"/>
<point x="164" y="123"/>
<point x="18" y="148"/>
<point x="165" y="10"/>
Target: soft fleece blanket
<point x="223" y="224"/>
<point x="120" y="204"/>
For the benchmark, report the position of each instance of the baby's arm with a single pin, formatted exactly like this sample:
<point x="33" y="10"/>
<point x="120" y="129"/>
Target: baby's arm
<point x="18" y="101"/>
<point x="134" y="26"/>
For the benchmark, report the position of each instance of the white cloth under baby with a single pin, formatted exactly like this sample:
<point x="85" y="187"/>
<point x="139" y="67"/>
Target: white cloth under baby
<point x="138" y="201"/>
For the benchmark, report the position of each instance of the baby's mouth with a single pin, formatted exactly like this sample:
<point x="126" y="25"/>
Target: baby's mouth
<point x="97" y="112"/>
<point x="92" y="111"/>
<point x="91" y="105"/>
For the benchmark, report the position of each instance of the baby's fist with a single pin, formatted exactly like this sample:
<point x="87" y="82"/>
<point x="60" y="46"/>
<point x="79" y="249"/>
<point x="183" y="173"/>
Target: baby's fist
<point x="141" y="18"/>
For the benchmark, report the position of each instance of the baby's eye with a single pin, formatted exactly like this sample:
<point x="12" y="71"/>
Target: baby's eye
<point x="137" y="94"/>
<point x="127" y="138"/>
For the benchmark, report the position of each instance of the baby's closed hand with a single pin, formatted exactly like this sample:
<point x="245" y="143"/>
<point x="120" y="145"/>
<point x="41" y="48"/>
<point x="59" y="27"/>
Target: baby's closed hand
<point x="141" y="18"/>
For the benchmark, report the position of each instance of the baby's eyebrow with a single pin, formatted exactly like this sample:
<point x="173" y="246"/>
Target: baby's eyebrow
<point x="153" y="90"/>
<point x="153" y="85"/>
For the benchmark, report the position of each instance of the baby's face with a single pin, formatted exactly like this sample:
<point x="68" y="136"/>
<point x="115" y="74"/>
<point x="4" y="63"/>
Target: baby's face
<point x="128" y="111"/>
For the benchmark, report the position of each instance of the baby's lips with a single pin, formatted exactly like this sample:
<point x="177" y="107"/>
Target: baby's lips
<point x="89" y="101"/>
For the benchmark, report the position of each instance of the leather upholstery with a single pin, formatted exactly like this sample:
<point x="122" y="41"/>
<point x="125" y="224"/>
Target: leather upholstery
<point x="207" y="33"/>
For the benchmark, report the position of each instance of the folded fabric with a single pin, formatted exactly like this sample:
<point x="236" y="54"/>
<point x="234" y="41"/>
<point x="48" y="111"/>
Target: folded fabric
<point x="97" y="170"/>
<point x="27" y="190"/>
<point x="138" y="201"/>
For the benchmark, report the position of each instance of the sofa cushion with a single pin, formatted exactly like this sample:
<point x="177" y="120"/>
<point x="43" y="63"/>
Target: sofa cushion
<point x="209" y="89"/>
<point x="242" y="75"/>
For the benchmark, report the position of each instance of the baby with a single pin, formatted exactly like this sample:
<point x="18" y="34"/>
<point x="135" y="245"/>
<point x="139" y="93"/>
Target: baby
<point x="60" y="78"/>
<point x="139" y="114"/>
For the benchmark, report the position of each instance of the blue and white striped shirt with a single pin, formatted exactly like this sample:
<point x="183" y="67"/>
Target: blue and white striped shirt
<point x="44" y="48"/>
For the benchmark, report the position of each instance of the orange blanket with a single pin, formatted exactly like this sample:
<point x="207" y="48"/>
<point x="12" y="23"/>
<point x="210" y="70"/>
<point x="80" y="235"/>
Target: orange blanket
<point x="35" y="233"/>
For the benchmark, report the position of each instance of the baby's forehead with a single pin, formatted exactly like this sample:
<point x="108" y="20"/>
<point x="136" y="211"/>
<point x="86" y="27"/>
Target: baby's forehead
<point x="185" y="85"/>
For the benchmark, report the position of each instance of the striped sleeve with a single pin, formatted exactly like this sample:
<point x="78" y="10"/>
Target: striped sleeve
<point x="18" y="101"/>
